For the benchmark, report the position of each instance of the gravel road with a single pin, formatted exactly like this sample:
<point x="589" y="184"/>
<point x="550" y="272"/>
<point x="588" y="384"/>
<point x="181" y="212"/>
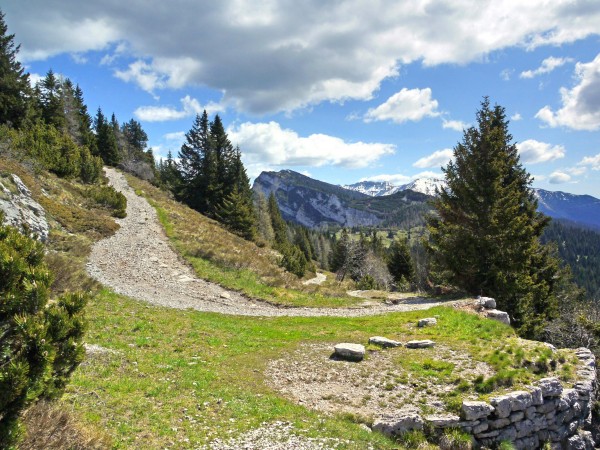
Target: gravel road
<point x="139" y="262"/>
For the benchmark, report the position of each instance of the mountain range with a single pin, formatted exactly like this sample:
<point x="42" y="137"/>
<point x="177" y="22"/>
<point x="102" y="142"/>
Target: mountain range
<point x="315" y="203"/>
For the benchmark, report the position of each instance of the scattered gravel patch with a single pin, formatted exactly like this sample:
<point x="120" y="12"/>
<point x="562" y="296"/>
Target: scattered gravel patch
<point x="276" y="436"/>
<point x="138" y="261"/>
<point x="376" y="386"/>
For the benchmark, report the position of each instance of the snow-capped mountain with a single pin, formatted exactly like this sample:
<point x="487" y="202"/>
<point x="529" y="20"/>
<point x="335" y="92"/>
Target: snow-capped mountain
<point x="373" y="188"/>
<point x="425" y="186"/>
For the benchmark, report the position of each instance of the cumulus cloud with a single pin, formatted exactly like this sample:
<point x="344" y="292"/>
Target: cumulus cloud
<point x="516" y="117"/>
<point x="534" y="152"/>
<point x="408" y="104"/>
<point x="559" y="177"/>
<point x="264" y="59"/>
<point x="591" y="161"/>
<point x="581" y="104"/>
<point x="189" y="107"/>
<point x="269" y="144"/>
<point x="436" y="159"/>
<point x="547" y="66"/>
<point x="456" y="125"/>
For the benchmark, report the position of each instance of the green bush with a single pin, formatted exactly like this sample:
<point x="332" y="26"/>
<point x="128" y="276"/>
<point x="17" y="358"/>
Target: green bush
<point x="108" y="197"/>
<point x="40" y="343"/>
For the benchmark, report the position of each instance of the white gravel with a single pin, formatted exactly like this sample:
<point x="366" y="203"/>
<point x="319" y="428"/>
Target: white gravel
<point x="138" y="261"/>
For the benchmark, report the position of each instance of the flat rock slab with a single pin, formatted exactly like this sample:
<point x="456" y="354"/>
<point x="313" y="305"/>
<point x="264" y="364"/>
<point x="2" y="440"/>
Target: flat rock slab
<point x="384" y="342"/>
<point x="420" y="344"/>
<point x="427" y="322"/>
<point x="349" y="352"/>
<point x="500" y="316"/>
<point x="397" y="425"/>
<point x="472" y="410"/>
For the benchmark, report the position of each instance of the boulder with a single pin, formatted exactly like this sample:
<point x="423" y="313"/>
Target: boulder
<point x="473" y="410"/>
<point x="427" y="322"/>
<point x="500" y="316"/>
<point x="398" y="424"/>
<point x="384" y="342"/>
<point x="486" y="302"/>
<point x="551" y="386"/>
<point x="21" y="210"/>
<point x="349" y="352"/>
<point x="420" y="344"/>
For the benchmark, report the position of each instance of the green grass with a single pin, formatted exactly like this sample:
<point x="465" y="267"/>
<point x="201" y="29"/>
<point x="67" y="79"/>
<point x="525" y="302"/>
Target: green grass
<point x="183" y="378"/>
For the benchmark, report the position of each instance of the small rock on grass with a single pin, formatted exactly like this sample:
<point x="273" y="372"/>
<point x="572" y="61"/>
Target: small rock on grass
<point x="384" y="342"/>
<point x="349" y="352"/>
<point x="420" y="344"/>
<point x="427" y="322"/>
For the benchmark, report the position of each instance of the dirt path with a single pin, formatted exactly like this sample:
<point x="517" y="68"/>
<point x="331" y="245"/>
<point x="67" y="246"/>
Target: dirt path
<point x="139" y="262"/>
<point x="318" y="279"/>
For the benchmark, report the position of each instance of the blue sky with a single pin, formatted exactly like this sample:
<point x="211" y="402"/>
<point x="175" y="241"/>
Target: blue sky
<point x="341" y="91"/>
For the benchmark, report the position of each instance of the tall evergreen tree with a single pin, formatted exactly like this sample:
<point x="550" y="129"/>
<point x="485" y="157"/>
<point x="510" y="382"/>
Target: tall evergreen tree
<point x="14" y="81"/>
<point x="198" y="167"/>
<point x="51" y="101"/>
<point x="224" y="156"/>
<point x="106" y="142"/>
<point x="85" y="122"/>
<point x="277" y="222"/>
<point x="263" y="219"/>
<point x="486" y="233"/>
<point x="399" y="261"/>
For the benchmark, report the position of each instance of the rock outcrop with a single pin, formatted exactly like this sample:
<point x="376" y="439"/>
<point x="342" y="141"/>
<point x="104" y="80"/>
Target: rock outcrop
<point x="20" y="209"/>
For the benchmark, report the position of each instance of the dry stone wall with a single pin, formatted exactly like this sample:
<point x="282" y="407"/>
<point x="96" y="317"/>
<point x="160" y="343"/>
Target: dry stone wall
<point x="545" y="412"/>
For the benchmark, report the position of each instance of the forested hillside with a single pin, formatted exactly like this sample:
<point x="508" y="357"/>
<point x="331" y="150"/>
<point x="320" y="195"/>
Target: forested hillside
<point x="580" y="249"/>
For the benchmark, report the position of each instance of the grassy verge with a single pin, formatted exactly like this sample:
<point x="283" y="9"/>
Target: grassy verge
<point x="180" y="379"/>
<point x="224" y="258"/>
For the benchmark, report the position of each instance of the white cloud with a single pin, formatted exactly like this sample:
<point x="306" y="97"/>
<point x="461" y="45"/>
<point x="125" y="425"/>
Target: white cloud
<point x="436" y="159"/>
<point x="34" y="78"/>
<point x="264" y="59"/>
<point x="456" y="125"/>
<point x="559" y="177"/>
<point x="548" y="65"/>
<point x="591" y="161"/>
<point x="190" y="107"/>
<point x="516" y="117"/>
<point x="506" y="74"/>
<point x="534" y="152"/>
<point x="581" y="104"/>
<point x="175" y="136"/>
<point x="408" y="104"/>
<point x="269" y="144"/>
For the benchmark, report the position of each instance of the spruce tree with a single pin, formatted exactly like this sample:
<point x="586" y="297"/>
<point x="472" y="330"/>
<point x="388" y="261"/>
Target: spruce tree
<point x="51" y="101"/>
<point x="106" y="142"/>
<point x="236" y="213"/>
<point x="277" y="222"/>
<point x="486" y="232"/>
<point x="399" y="261"/>
<point x="14" y="81"/>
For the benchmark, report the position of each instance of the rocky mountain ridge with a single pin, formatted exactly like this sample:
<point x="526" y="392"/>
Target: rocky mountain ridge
<point x="314" y="203"/>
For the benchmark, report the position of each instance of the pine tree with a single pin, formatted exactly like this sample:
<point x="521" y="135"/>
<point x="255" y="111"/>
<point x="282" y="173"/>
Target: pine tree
<point x="224" y="154"/>
<point x="486" y="234"/>
<point x="51" y="101"/>
<point x="85" y="122"/>
<point x="399" y="261"/>
<point x="198" y="168"/>
<point x="277" y="222"/>
<point x="41" y="344"/>
<point x="263" y="219"/>
<point x="236" y="213"/>
<point x="14" y="81"/>
<point x="106" y="142"/>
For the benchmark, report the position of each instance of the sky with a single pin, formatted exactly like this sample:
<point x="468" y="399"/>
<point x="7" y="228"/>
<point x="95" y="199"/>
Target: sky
<point x="342" y="91"/>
